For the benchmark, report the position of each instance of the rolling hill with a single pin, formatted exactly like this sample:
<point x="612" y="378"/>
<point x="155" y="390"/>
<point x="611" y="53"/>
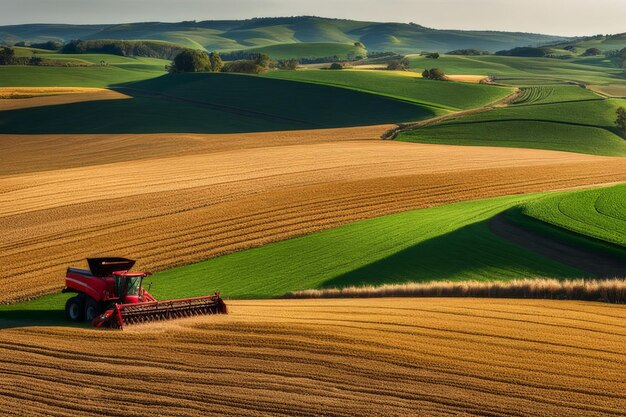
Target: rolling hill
<point x="254" y="33"/>
<point x="593" y="218"/>
<point x="526" y="71"/>
<point x="561" y="118"/>
<point x="604" y="43"/>
<point x="311" y="50"/>
<point x="442" y="96"/>
<point x="207" y="103"/>
<point x="450" y="242"/>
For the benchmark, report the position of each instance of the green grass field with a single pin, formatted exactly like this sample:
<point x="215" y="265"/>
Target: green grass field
<point x="585" y="126"/>
<point x="311" y="50"/>
<point x="599" y="213"/>
<point x="526" y="71"/>
<point x="451" y="242"/>
<point x="604" y="43"/>
<point x="118" y="70"/>
<point x="215" y="103"/>
<point x="555" y="94"/>
<point x="446" y="96"/>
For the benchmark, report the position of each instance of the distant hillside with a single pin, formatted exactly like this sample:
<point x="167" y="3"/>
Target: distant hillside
<point x="230" y="35"/>
<point x="602" y="42"/>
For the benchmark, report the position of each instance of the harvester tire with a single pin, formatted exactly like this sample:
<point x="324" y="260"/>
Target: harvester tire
<point x="74" y="309"/>
<point x="92" y="309"/>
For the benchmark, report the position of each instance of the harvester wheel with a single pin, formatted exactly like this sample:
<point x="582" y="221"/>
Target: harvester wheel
<point x="92" y="309"/>
<point x="74" y="309"/>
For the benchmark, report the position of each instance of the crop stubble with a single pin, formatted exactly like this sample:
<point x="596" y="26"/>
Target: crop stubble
<point x="332" y="357"/>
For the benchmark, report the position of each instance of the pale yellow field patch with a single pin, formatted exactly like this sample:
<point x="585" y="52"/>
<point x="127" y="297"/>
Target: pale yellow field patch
<point x="611" y="90"/>
<point x="463" y="78"/>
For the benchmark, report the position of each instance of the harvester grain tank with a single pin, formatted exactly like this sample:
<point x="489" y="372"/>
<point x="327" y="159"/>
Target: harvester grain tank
<point x="109" y="295"/>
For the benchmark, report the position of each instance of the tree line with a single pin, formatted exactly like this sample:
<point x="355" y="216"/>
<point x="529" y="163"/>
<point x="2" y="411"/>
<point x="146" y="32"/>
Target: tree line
<point x="149" y="49"/>
<point x="8" y="57"/>
<point x="194" y="60"/>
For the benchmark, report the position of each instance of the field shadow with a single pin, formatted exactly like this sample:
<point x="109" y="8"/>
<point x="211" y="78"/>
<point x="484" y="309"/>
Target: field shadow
<point x="214" y="103"/>
<point x="35" y="318"/>
<point x="458" y="255"/>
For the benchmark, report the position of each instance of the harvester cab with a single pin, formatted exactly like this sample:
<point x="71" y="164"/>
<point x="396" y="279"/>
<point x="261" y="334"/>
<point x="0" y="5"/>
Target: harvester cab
<point x="128" y="286"/>
<point x="109" y="295"/>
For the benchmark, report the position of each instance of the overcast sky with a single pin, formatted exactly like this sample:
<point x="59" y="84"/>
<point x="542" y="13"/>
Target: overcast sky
<point x="559" y="17"/>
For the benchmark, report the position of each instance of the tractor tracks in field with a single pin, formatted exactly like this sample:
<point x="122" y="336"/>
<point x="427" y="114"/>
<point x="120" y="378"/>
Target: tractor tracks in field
<point x="402" y="127"/>
<point x="596" y="263"/>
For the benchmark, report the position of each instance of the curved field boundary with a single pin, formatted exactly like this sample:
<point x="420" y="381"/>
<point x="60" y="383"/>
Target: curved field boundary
<point x="598" y="213"/>
<point x="233" y="200"/>
<point x="356" y="357"/>
<point x="598" y="264"/>
<point x="530" y="95"/>
<point x="394" y="132"/>
<point x="242" y="198"/>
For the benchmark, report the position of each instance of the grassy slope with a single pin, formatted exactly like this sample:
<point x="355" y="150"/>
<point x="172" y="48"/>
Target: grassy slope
<point x="448" y="242"/>
<point x="119" y="70"/>
<point x="604" y="43"/>
<point x="597" y="213"/>
<point x="213" y="103"/>
<point x="448" y="96"/>
<point x="18" y="76"/>
<point x="526" y="71"/>
<point x="555" y="94"/>
<point x="584" y="126"/>
<point x="311" y="50"/>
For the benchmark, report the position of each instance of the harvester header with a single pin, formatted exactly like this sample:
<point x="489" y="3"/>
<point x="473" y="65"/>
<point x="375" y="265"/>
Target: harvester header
<point x="109" y="295"/>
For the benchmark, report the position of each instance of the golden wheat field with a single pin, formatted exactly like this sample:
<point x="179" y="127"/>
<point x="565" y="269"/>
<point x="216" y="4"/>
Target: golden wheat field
<point x="185" y="206"/>
<point x="350" y="357"/>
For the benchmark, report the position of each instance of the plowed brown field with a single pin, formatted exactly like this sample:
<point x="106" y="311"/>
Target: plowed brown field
<point x="172" y="210"/>
<point x="351" y="357"/>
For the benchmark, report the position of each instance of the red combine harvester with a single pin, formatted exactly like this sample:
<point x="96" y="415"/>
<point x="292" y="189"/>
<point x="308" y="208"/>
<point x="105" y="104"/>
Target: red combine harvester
<point x="111" y="296"/>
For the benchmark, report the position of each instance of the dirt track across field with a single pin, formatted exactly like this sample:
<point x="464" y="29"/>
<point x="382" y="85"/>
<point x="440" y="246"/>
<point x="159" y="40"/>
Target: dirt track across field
<point x="173" y="210"/>
<point x="354" y="357"/>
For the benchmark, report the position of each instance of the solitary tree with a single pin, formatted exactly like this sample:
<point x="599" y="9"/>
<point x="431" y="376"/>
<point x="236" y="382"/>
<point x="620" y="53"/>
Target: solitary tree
<point x="434" y="74"/>
<point x="7" y="56"/>
<point x="621" y="120"/>
<point x="359" y="45"/>
<point x="216" y="61"/>
<point x="191" y="60"/>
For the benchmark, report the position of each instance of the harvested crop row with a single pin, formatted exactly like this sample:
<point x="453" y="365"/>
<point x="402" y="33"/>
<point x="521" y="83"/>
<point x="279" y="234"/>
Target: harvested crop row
<point x="530" y="95"/>
<point x="173" y="211"/>
<point x="34" y="153"/>
<point x="333" y="357"/>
